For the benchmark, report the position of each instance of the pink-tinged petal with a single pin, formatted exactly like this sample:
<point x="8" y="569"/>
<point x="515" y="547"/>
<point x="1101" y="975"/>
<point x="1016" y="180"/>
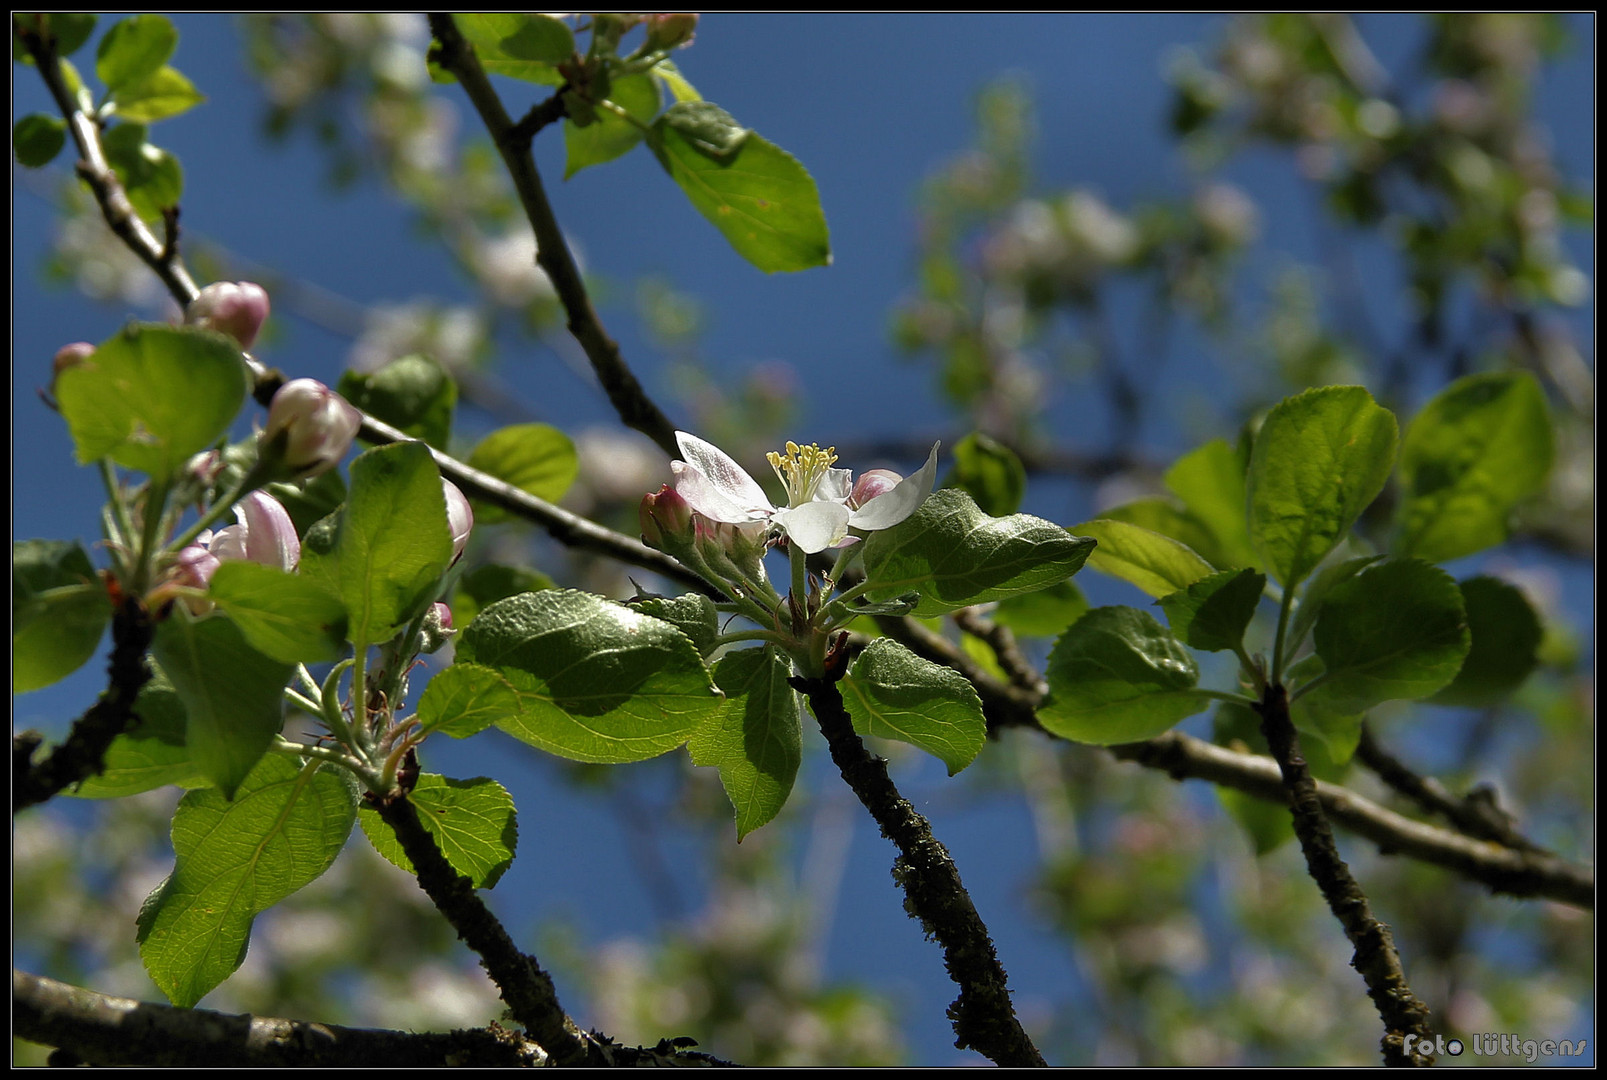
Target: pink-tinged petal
<point x="708" y="499"/>
<point x="885" y="511"/>
<point x="870" y="484"/>
<point x="814" y="526"/>
<point x="269" y="536"/>
<point x="459" y="517"/>
<point x="731" y="479"/>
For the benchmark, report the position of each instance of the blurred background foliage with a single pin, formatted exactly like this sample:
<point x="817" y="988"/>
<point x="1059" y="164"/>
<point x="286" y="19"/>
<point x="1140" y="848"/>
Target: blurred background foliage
<point x="1189" y="946"/>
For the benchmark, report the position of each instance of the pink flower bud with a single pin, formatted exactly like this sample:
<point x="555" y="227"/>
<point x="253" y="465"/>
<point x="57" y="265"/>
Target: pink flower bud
<point x="442" y="615"/>
<point x="870" y="484"/>
<point x="459" y="518"/>
<point x="238" y="310"/>
<point x="310" y="427"/>
<point x="69" y="356"/>
<point x="665" y="518"/>
<point x="264" y="535"/>
<point x="670" y="29"/>
<point x="195" y="566"/>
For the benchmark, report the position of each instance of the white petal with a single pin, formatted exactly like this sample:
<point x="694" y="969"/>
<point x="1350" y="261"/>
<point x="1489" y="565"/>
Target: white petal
<point x="814" y="526"/>
<point x="707" y="499"/>
<point x="834" y="486"/>
<point x="726" y="475"/>
<point x="889" y="508"/>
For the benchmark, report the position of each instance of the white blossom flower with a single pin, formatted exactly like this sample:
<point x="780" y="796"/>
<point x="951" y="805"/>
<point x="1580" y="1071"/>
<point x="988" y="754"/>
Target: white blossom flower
<point x="819" y="510"/>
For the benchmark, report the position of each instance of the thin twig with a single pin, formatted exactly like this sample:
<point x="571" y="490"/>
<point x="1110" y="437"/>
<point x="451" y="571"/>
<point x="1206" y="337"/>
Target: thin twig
<point x="1023" y="676"/>
<point x="83" y="753"/>
<point x="1513" y="872"/>
<point x="1477" y="815"/>
<point x="527" y="989"/>
<point x="513" y="141"/>
<point x="1375" y="957"/>
<point x="983" y="1017"/>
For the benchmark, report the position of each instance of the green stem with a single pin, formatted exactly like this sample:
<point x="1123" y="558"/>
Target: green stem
<point x="303" y="702"/>
<point x="756" y="635"/>
<point x="282" y="745"/>
<point x="123" y="524"/>
<point x="331" y="711"/>
<point x="219" y="509"/>
<point x="1284" y="607"/>
<point x="1248" y="665"/>
<point x="1308" y="688"/>
<point x="151" y="532"/>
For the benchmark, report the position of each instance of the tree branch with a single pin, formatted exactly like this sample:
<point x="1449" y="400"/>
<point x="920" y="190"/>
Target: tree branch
<point x="83" y="754"/>
<point x="103" y="1030"/>
<point x="1526" y="872"/>
<point x="520" y="980"/>
<point x="983" y="1017"/>
<point x="513" y="141"/>
<point x="1375" y="957"/>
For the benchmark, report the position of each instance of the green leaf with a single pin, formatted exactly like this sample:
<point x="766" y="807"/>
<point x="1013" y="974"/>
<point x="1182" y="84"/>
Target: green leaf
<point x="597" y="681"/>
<point x="670" y="75"/>
<point x="1481" y="447"/>
<point x="893" y="694"/>
<point x="232" y="694"/>
<point x="36" y="139"/>
<point x="692" y="614"/>
<point x="1157" y="564"/>
<point x="521" y="46"/>
<point x="413" y="393"/>
<point x="485" y="585"/>
<point x="152" y="396"/>
<point x="1118" y="676"/>
<point x="1331" y="573"/>
<point x="165" y="94"/>
<point x="1213" y="613"/>
<point x="393" y="543"/>
<point x="1506" y="635"/>
<point x="1319" y="459"/>
<point x="134" y="49"/>
<point x="537" y="458"/>
<point x="991" y="472"/>
<point x="1162" y="515"/>
<point x="761" y="199"/>
<point x="59" y="610"/>
<point x="235" y="860"/>
<point x="956" y="555"/>
<point x="76" y="90"/>
<point x="1046" y="613"/>
<point x="465" y="699"/>
<point x="1326" y="713"/>
<point x="612" y="135"/>
<point x="285" y="616"/>
<point x="151" y="176"/>
<point x="149" y="755"/>
<point x="473" y="821"/>
<point x="755" y="739"/>
<point x="1397" y="629"/>
<point x="69" y="28"/>
<point x="1210" y="481"/>
<point x="306" y="501"/>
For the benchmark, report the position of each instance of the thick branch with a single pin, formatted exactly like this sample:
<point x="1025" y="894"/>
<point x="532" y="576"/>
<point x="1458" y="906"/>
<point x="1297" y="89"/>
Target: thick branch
<point x="523" y="984"/>
<point x="1375" y="957"/>
<point x="104" y="1030"/>
<point x="983" y="1017"/>
<point x="635" y="408"/>
<point x="1526" y="872"/>
<point x="82" y="755"/>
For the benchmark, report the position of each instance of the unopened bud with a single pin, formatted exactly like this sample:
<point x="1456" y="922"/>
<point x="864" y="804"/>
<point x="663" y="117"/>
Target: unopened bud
<point x="69" y="356"/>
<point x="236" y="309"/>
<point x="870" y="484"/>
<point x="310" y="428"/>
<point x="666" y="520"/>
<point x="670" y="30"/>
<point x="437" y="628"/>
<point x="265" y="534"/>
<point x="459" y="518"/>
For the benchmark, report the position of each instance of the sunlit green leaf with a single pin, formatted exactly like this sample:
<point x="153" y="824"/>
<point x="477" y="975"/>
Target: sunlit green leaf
<point x="151" y="176"/>
<point x="151" y="396"/>
<point x="1118" y="676"/>
<point x="285" y="616"/>
<point x="1210" y="481"/>
<point x="59" y="610"/>
<point x="134" y="49"/>
<point x="1319" y="459"/>
<point x="1045" y="613"/>
<point x="537" y="458"/>
<point x="1482" y="446"/>
<point x="597" y="681"/>
<point x="235" y="860"/>
<point x="165" y="94"/>
<point x="1213" y="613"/>
<point x="955" y="555"/>
<point x="692" y="614"/>
<point x="755" y="740"/>
<point x="612" y="135"/>
<point x="465" y="699"/>
<point x="473" y="822"/>
<point x="893" y="694"/>
<point x="1157" y="564"/>
<point x="412" y="393"/>
<point x="760" y="198"/>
